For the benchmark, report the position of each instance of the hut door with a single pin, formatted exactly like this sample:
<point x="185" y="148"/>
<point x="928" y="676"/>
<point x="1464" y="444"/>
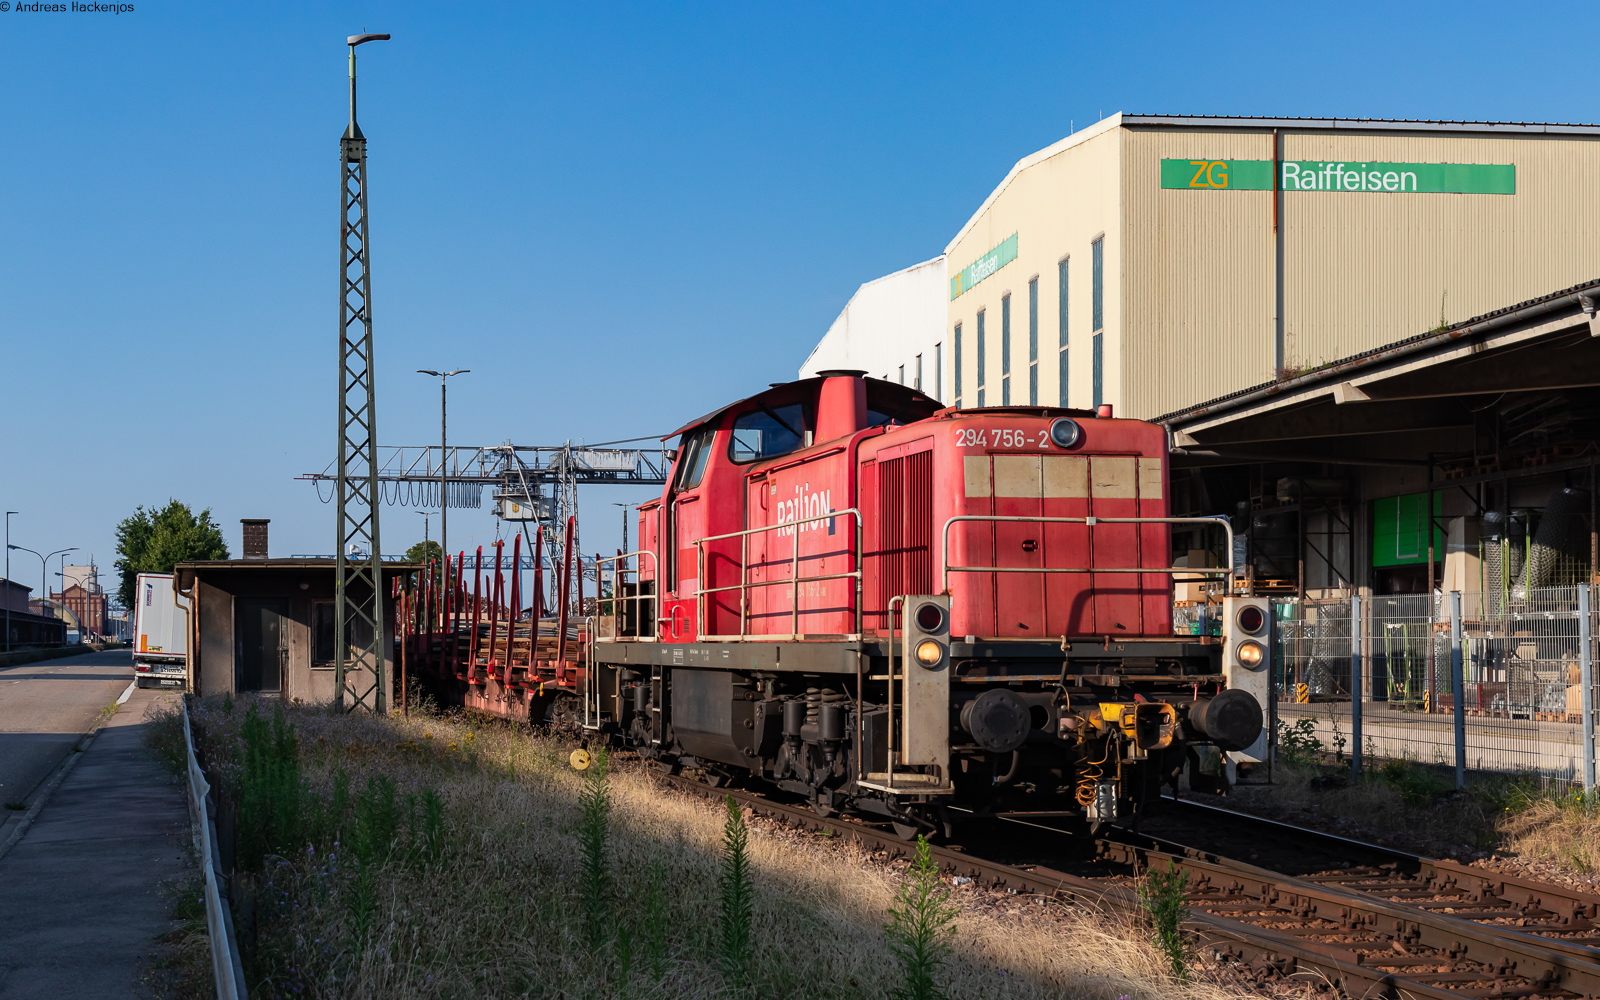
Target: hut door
<point x="263" y="650"/>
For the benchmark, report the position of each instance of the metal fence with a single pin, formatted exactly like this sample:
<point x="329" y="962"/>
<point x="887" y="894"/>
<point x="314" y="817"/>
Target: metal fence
<point x="1518" y="664"/>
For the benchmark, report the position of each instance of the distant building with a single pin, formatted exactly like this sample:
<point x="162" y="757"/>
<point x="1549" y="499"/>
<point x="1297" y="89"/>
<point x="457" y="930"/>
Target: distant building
<point x="91" y="606"/>
<point x="892" y="328"/>
<point x="27" y="626"/>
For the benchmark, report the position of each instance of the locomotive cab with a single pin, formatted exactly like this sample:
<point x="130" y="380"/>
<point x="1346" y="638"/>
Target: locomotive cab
<point x="876" y="603"/>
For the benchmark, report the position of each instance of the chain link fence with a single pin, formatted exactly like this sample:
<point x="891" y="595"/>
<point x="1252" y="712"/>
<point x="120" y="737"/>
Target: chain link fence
<point x="1522" y="669"/>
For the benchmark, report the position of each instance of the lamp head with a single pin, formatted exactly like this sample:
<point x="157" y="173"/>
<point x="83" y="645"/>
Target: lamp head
<point x="355" y="40"/>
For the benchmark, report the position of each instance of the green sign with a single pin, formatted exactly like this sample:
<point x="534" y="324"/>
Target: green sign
<point x="984" y="266"/>
<point x="1400" y="530"/>
<point x="1240" y="175"/>
<point x="1327" y="175"/>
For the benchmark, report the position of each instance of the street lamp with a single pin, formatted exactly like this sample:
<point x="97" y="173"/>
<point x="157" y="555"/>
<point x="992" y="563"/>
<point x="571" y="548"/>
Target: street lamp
<point x="441" y="376"/>
<point x="8" y="579"/>
<point x="44" y="574"/>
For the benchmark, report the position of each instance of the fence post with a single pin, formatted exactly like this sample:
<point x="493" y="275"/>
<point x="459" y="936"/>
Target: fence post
<point x="1586" y="679"/>
<point x="1458" y="689"/>
<point x="1355" y="685"/>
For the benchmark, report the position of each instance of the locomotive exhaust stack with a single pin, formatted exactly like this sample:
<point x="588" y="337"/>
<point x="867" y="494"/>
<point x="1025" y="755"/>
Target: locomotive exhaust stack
<point x="871" y="602"/>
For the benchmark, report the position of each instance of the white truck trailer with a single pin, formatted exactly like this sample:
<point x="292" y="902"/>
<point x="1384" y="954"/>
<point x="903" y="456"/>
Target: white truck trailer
<point x="160" y="633"/>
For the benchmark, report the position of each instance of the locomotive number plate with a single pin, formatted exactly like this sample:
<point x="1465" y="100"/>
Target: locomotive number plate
<point x="1000" y="437"/>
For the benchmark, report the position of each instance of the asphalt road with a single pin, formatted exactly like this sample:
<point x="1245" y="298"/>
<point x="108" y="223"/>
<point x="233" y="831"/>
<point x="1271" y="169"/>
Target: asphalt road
<point x="46" y="707"/>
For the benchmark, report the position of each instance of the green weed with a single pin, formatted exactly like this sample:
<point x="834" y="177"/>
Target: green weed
<point x="738" y="896"/>
<point x="920" y="927"/>
<point x="1164" y="897"/>
<point x="594" y="828"/>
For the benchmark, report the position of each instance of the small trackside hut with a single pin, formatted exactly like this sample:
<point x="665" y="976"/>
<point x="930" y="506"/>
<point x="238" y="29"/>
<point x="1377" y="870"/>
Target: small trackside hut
<point x="876" y="604"/>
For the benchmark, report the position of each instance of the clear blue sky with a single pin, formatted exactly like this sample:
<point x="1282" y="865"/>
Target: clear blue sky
<point x="618" y="216"/>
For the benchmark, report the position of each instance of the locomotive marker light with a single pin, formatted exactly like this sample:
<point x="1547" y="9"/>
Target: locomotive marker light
<point x="1239" y="711"/>
<point x="925" y="712"/>
<point x="1065" y="433"/>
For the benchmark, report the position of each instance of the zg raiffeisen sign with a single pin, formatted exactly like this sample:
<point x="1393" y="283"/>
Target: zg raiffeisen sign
<point x="984" y="266"/>
<point x="1324" y="175"/>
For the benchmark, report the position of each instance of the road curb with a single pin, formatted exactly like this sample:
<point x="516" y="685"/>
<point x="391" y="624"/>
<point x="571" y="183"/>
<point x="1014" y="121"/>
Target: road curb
<point x="56" y="777"/>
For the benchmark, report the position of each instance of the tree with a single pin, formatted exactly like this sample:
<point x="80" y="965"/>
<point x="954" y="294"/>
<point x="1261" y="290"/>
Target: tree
<point x="155" y="541"/>
<point x="423" y="552"/>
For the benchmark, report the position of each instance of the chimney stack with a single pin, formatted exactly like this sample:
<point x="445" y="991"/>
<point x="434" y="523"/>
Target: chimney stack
<point x="255" y="536"/>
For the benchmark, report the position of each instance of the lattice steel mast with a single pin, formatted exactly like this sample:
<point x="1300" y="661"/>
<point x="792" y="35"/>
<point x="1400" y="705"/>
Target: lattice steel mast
<point x="361" y="678"/>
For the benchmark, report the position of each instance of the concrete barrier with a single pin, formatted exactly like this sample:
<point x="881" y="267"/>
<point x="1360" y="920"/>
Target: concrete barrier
<point x="219" y="917"/>
<point x="18" y="657"/>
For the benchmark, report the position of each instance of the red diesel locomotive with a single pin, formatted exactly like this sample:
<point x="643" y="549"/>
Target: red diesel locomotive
<point x="882" y="605"/>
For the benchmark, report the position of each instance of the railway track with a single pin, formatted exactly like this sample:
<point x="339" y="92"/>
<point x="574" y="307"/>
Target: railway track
<point x="1386" y="925"/>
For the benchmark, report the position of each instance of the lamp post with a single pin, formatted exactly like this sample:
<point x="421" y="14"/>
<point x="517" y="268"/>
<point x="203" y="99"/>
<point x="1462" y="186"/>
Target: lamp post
<point x="44" y="575"/>
<point x="8" y="579"/>
<point x="441" y="376"/>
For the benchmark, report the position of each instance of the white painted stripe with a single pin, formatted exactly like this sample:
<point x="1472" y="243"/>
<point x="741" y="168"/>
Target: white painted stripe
<point x="127" y="693"/>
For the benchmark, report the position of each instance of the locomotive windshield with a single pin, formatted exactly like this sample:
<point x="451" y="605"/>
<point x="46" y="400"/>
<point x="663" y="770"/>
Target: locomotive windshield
<point x="768" y="432"/>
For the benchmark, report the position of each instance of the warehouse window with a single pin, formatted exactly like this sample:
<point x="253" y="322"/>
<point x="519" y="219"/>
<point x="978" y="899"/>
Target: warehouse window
<point x="981" y="317"/>
<point x="938" y="373"/>
<point x="955" y="388"/>
<point x="1061" y="326"/>
<point x="1005" y="351"/>
<point x="1033" y="342"/>
<point x="1097" y="267"/>
<point x="1098" y="295"/>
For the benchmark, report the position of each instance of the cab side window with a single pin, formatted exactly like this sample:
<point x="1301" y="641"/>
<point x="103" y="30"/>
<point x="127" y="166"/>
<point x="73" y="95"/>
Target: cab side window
<point x="696" y="450"/>
<point x="768" y="432"/>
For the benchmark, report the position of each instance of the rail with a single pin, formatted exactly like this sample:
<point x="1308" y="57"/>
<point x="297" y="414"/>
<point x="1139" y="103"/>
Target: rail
<point x="1090" y="522"/>
<point x="794" y="580"/>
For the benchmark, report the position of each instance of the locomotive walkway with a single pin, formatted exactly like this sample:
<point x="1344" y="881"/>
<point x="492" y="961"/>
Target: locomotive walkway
<point x="83" y="884"/>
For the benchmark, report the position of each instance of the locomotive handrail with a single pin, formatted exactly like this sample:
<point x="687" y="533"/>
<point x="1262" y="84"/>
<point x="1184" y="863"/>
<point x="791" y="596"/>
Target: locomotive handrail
<point x="616" y="579"/>
<point x="947" y="569"/>
<point x="591" y="677"/>
<point x="794" y="580"/>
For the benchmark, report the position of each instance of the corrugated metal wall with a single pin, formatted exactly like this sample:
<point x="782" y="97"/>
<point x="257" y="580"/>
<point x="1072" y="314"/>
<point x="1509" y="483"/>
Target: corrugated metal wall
<point x="1197" y="277"/>
<point x="1361" y="270"/>
<point x="1364" y="270"/>
<point x="1057" y="207"/>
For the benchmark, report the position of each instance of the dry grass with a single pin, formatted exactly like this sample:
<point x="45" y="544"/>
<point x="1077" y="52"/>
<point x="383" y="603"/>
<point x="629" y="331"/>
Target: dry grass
<point x="1401" y="803"/>
<point x="1564" y="829"/>
<point x="501" y="914"/>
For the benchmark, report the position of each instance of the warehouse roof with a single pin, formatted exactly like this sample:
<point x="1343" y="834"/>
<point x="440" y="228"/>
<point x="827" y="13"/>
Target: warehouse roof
<point x="1265" y="122"/>
<point x="1338" y="371"/>
<point x="1361" y="124"/>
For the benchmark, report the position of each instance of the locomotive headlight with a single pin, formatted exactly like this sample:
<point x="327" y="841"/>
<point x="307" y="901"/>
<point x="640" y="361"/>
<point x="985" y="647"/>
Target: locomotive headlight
<point x="929" y="652"/>
<point x="1251" y="655"/>
<point x="1065" y="433"/>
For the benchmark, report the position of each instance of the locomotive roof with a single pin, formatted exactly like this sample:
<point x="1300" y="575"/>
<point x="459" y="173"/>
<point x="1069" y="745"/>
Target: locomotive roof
<point x="899" y="401"/>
